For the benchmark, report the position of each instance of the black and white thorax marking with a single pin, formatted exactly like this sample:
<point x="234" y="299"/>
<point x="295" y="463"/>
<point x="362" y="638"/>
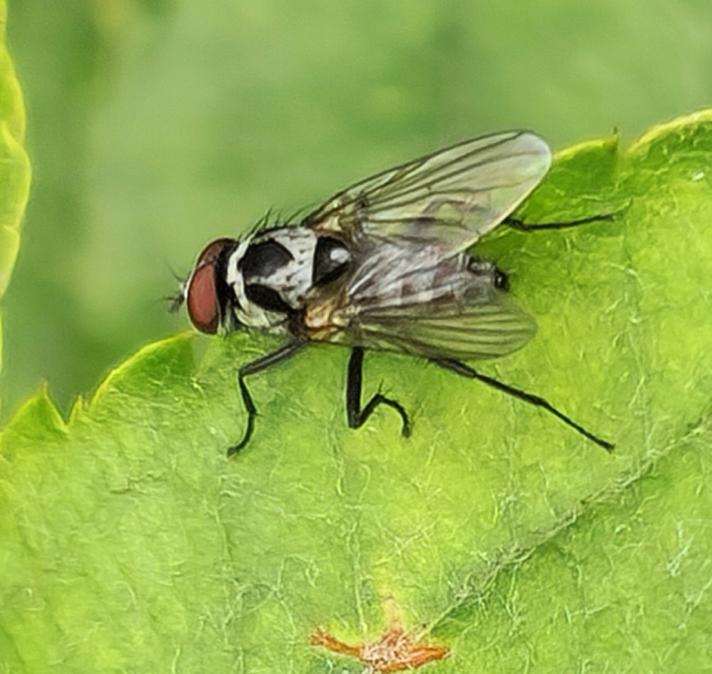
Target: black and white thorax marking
<point x="272" y="273"/>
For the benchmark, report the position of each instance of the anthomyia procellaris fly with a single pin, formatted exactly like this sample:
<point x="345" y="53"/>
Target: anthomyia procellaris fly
<point x="383" y="265"/>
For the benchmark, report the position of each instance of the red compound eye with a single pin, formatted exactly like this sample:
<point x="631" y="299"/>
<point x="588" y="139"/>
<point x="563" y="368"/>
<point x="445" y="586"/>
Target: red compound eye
<point x="202" y="294"/>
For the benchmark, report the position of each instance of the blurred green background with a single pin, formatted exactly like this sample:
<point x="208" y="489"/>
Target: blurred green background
<point x="155" y="125"/>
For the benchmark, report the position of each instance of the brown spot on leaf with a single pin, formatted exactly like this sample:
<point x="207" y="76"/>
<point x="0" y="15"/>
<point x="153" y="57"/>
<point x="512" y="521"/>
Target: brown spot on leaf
<point x="395" y="651"/>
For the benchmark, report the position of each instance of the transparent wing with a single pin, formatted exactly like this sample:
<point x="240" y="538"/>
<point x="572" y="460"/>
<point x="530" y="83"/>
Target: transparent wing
<point x="480" y="331"/>
<point x="425" y="306"/>
<point x="448" y="199"/>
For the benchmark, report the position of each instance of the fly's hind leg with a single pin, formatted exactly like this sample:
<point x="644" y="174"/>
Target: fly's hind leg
<point x="516" y="223"/>
<point x="255" y="366"/>
<point x="466" y="371"/>
<point x="358" y="415"/>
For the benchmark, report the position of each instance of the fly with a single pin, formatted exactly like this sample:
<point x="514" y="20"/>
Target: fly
<point x="383" y="265"/>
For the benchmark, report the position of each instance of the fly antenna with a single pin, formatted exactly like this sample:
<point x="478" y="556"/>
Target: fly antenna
<point x="175" y="301"/>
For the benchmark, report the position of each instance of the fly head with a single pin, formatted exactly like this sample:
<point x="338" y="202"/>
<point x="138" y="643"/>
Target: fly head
<point x="206" y="294"/>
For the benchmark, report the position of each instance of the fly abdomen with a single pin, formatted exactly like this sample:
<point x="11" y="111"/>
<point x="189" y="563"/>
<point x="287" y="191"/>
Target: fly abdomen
<point x="501" y="280"/>
<point x="485" y="269"/>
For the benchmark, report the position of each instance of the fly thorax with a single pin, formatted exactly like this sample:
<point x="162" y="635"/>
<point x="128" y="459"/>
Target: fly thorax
<point x="272" y="272"/>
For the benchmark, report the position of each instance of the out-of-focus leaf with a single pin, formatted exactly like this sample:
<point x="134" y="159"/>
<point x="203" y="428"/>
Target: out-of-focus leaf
<point x="14" y="164"/>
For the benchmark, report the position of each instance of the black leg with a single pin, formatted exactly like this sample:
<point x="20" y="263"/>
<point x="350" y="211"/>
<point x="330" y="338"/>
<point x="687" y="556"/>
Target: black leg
<point x="258" y="365"/>
<point x="515" y="223"/>
<point x="467" y="371"/>
<point x="356" y="415"/>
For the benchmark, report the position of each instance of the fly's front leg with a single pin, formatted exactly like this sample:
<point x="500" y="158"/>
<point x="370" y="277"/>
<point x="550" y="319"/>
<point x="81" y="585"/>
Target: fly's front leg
<point x="516" y="223"/>
<point x="281" y="354"/>
<point x="357" y="415"/>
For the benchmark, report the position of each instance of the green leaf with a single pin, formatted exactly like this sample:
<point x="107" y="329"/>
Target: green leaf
<point x="14" y="164"/>
<point x="131" y="543"/>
